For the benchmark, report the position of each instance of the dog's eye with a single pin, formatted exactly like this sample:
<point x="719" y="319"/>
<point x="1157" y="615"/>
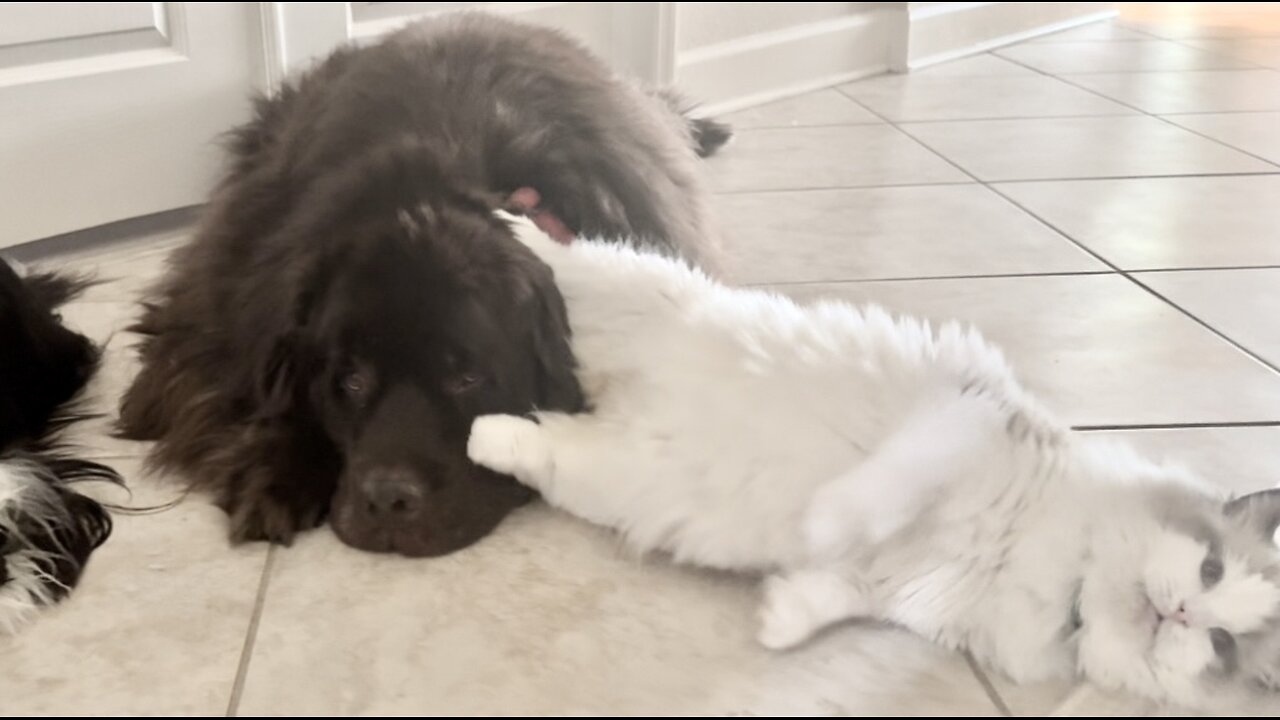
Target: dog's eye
<point x="462" y="382"/>
<point x="354" y="384"/>
<point x="1210" y="571"/>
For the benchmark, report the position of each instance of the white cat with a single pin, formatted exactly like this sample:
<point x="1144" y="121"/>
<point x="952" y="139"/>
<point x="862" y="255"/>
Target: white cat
<point x="872" y="467"/>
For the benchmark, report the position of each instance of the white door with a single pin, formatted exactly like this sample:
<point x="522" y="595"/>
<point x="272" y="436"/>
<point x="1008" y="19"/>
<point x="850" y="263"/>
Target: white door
<point x="112" y="110"/>
<point x="636" y="38"/>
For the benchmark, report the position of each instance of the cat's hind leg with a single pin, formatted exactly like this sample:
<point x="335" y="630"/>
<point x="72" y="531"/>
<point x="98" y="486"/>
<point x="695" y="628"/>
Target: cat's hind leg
<point x="800" y="603"/>
<point x="940" y="444"/>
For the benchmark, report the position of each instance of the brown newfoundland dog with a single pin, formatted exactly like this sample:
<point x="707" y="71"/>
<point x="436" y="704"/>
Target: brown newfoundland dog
<point x="350" y="303"/>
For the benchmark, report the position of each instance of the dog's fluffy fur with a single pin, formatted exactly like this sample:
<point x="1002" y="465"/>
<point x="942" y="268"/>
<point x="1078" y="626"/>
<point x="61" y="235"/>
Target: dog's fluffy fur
<point x="349" y="285"/>
<point x="874" y="467"/>
<point x="47" y="530"/>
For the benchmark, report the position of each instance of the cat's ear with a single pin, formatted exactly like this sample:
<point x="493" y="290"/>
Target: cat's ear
<point x="1258" y="511"/>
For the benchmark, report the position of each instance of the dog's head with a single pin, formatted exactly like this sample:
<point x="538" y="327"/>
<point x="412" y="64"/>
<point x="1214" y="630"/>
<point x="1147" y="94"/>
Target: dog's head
<point x="43" y="364"/>
<point x="412" y="311"/>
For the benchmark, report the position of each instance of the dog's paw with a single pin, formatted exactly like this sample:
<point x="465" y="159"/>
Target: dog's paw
<point x="507" y="444"/>
<point x="267" y="519"/>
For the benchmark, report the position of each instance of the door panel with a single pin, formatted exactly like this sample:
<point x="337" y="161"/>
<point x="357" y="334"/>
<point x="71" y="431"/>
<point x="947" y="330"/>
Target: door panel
<point x="111" y="110"/>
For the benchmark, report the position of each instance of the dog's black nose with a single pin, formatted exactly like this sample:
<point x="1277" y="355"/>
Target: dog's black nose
<point x="392" y="492"/>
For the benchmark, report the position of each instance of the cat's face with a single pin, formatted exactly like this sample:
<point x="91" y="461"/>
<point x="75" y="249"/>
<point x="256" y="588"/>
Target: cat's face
<point x="1188" y="605"/>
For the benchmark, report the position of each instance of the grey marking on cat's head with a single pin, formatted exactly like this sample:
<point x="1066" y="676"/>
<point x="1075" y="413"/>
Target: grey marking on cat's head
<point x="1259" y="511"/>
<point x="1254" y="655"/>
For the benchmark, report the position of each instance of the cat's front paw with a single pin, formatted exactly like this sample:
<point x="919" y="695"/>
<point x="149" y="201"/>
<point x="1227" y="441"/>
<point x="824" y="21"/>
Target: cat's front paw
<point x="507" y="444"/>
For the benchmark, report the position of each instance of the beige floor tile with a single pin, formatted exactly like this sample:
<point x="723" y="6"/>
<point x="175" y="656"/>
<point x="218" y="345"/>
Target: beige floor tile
<point x="549" y="616"/>
<point x="1260" y="51"/>
<point x="1096" y="147"/>
<point x="156" y="626"/>
<point x="817" y="157"/>
<point x="1097" y="349"/>
<point x="1157" y="223"/>
<point x="825" y="107"/>
<point x="1094" y="32"/>
<point x="973" y="66"/>
<point x="933" y="97"/>
<point x="887" y="233"/>
<point x="1136" y="56"/>
<point x="1242" y="304"/>
<point x="1251" y="132"/>
<point x="1162" y="93"/>
<point x="1202" y="20"/>
<point x="1241" y="459"/>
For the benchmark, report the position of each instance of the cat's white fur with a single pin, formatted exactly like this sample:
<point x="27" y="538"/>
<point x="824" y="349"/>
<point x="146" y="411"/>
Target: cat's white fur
<point x="871" y="466"/>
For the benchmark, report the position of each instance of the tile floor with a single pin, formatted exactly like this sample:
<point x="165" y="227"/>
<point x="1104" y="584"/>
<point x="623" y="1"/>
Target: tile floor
<point x="1101" y="201"/>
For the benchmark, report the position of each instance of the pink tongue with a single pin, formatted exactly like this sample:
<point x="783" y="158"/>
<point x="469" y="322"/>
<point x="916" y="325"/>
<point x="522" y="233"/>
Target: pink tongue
<point x="526" y="200"/>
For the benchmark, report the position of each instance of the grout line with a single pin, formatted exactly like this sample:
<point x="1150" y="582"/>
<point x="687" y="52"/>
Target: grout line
<point x="987" y="687"/>
<point x="1260" y="173"/>
<point x="897" y="126"/>
<point x="1010" y="200"/>
<point x="1159" y="71"/>
<point x="1178" y="426"/>
<point x="749" y="191"/>
<point x="251" y="635"/>
<point x="802" y="126"/>
<point x="1130" y="276"/>
<point x="1202" y="268"/>
<point x="1223" y="143"/>
<point x="1272" y="111"/>
<point x="1120" y="23"/>
<point x="997" y="275"/>
<point x="1186" y="42"/>
<point x="1256" y="357"/>
<point x="1096" y="255"/>
<point x="1064" y="78"/>
<point x="993" y="118"/>
<point x="917" y="278"/>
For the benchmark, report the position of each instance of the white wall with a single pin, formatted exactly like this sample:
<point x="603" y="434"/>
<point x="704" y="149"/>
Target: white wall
<point x="733" y="55"/>
<point x="940" y="31"/>
<point x="736" y="54"/>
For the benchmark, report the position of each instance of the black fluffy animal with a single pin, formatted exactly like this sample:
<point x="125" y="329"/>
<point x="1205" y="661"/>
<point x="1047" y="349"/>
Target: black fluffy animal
<point x="350" y="302"/>
<point x="47" y="529"/>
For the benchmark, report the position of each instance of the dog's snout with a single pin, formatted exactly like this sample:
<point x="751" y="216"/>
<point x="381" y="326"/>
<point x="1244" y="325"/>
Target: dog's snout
<point x="393" y="491"/>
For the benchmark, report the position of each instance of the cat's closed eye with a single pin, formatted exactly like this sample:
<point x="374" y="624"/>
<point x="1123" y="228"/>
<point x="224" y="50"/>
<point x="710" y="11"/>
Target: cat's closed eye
<point x="1211" y="570"/>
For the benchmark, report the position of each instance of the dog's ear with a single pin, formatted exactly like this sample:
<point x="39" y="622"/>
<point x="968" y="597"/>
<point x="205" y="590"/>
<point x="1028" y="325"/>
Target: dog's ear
<point x="557" y="384"/>
<point x="275" y="375"/>
<point x="276" y="369"/>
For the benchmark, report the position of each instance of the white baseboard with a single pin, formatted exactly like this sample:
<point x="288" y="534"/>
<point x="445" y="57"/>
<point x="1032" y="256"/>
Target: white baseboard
<point x="782" y="93"/>
<point x="767" y="66"/>
<point x="938" y="33"/>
